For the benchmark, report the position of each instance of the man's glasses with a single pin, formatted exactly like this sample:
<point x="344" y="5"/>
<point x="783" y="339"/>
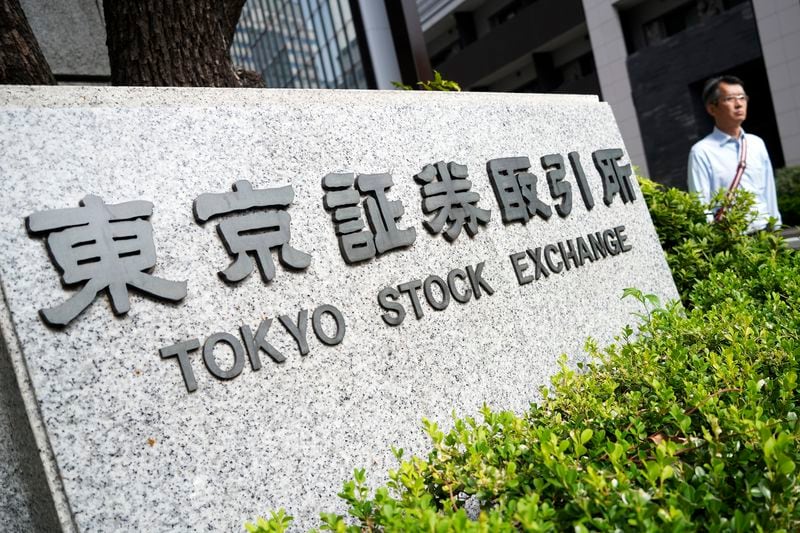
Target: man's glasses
<point x="731" y="98"/>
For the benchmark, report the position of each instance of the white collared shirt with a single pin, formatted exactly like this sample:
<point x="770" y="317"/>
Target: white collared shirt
<point x="712" y="166"/>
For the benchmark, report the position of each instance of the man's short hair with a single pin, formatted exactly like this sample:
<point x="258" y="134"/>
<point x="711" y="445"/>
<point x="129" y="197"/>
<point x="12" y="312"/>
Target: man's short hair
<point x="711" y="88"/>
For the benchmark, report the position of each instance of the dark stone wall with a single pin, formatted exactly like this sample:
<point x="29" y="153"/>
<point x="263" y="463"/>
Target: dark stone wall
<point x="533" y="26"/>
<point x="666" y="80"/>
<point x="589" y="84"/>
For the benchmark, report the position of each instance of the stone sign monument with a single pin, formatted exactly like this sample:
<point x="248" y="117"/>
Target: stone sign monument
<point x="220" y="302"/>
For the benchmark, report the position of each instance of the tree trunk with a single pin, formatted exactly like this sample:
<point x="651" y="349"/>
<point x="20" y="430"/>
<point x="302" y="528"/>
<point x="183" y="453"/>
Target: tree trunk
<point x="182" y="43"/>
<point x="232" y="13"/>
<point x="21" y="59"/>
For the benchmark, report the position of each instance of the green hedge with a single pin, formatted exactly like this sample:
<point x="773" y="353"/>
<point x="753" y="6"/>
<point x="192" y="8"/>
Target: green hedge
<point x="689" y="423"/>
<point x="787" y="184"/>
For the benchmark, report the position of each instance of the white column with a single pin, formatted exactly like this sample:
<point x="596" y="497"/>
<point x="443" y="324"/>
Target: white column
<point x="380" y="43"/>
<point x="608" y="48"/>
<point x="778" y="24"/>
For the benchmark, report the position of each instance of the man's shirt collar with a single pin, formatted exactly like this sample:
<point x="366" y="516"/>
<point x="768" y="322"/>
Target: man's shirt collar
<point x="721" y="137"/>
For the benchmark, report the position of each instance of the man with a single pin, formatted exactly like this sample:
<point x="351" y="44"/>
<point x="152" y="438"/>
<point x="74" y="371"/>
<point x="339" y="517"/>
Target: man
<point x="714" y="160"/>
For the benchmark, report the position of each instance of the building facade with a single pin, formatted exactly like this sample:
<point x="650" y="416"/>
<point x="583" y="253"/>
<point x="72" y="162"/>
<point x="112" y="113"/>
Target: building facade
<point x="518" y="45"/>
<point x="330" y="44"/>
<point x="648" y="59"/>
<point x="300" y="44"/>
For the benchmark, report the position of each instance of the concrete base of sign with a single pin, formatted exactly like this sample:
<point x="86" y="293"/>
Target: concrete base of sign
<point x="105" y="431"/>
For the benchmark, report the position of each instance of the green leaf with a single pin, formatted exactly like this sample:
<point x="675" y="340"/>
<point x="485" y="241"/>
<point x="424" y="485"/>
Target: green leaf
<point x="769" y="447"/>
<point x="785" y="466"/>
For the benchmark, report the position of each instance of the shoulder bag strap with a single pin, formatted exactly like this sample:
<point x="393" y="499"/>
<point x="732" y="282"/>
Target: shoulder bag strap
<point x="736" y="179"/>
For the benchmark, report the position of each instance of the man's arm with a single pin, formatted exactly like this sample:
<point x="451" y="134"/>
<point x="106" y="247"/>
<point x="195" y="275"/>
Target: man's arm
<point x="770" y="195"/>
<point x="699" y="175"/>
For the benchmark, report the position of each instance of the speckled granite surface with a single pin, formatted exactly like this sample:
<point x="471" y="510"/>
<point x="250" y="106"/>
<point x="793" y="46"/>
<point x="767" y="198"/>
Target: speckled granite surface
<point x="131" y="448"/>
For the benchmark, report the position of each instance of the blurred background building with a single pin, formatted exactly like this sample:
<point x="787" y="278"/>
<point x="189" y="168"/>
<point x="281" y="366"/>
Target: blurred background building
<point x="647" y="58"/>
<point x="300" y="44"/>
<point x="330" y="44"/>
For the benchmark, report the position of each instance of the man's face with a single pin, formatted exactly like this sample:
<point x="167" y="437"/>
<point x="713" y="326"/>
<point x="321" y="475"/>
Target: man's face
<point x="731" y="108"/>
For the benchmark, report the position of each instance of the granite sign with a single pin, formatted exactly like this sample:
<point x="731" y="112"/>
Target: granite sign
<point x="416" y="255"/>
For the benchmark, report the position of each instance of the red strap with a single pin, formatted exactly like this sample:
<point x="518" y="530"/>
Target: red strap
<point x="736" y="179"/>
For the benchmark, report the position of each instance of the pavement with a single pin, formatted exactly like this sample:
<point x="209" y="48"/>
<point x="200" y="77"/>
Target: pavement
<point x="792" y="237"/>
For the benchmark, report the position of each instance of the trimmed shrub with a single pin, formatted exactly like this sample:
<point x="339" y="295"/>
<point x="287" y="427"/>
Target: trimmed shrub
<point x="694" y="248"/>
<point x="688" y="423"/>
